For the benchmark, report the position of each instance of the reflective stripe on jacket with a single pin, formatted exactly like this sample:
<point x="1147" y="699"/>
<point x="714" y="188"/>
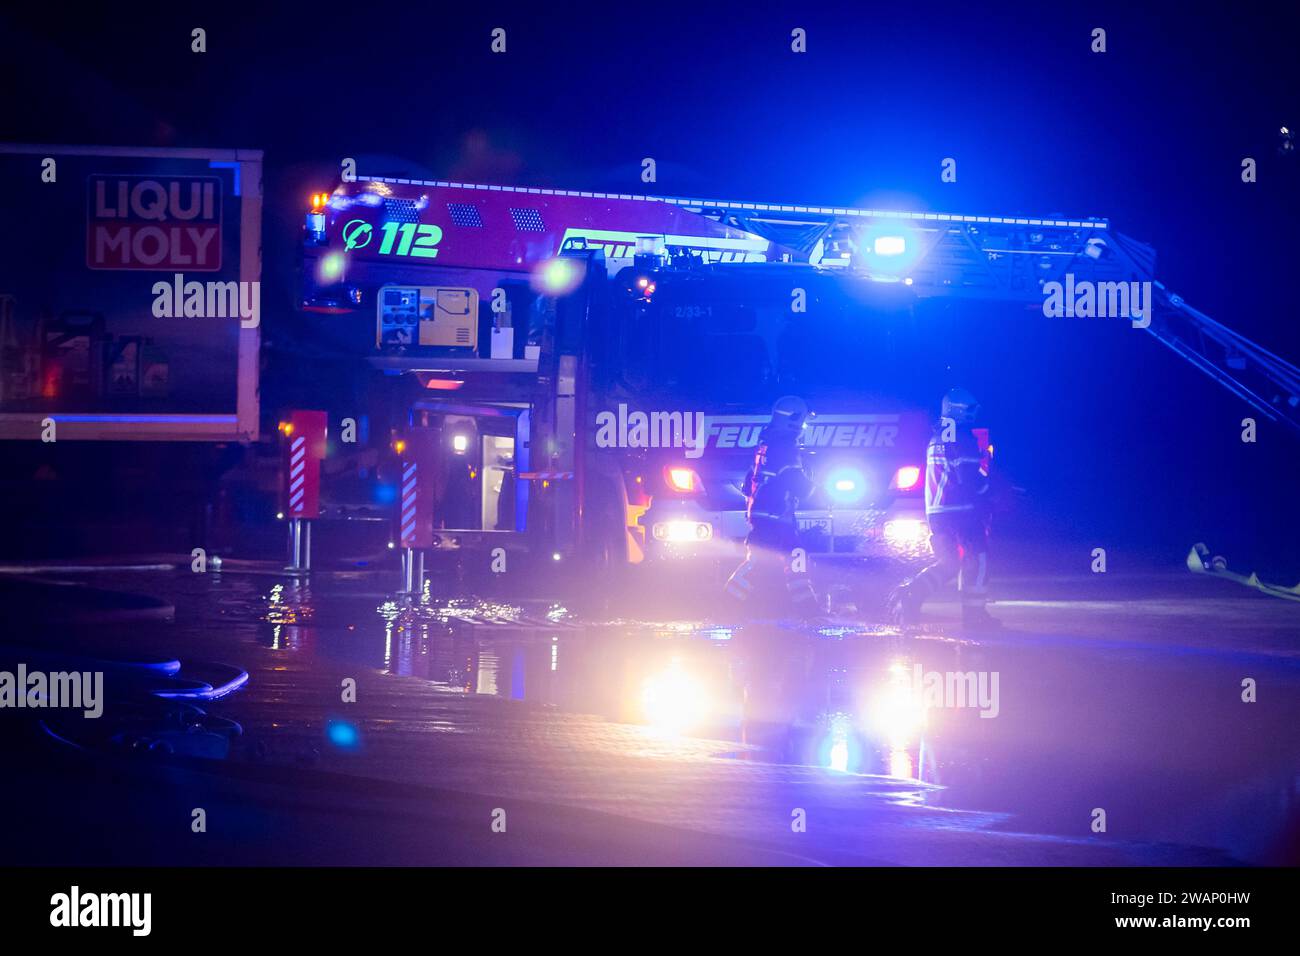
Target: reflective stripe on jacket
<point x="954" y="480"/>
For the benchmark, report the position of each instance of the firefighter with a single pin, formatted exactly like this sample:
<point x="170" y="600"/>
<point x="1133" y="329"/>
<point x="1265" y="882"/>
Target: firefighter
<point x="957" y="508"/>
<point x="774" y="487"/>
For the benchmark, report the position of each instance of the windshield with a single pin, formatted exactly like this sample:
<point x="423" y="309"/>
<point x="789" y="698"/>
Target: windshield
<point x="722" y="341"/>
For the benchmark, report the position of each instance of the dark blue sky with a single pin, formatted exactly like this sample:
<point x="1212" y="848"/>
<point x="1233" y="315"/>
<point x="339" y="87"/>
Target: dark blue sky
<point x="1150" y="134"/>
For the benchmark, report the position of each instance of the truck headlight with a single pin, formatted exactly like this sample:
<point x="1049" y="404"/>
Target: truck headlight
<point x="907" y="534"/>
<point x="679" y="531"/>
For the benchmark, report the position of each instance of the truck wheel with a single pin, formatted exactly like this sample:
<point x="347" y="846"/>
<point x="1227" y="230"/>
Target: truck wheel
<point x="607" y="539"/>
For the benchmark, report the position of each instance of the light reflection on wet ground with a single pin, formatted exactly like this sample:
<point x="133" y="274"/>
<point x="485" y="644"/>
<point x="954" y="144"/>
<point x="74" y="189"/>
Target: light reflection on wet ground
<point x="1107" y="705"/>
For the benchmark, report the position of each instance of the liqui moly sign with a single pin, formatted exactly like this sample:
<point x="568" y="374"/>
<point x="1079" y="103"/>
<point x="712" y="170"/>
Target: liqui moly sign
<point x="155" y="223"/>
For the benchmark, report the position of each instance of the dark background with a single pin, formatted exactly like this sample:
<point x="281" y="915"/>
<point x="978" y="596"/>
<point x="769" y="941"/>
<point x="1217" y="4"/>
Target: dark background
<point x="1120" y="443"/>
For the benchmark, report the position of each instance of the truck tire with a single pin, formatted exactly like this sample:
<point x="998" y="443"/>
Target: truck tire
<point x="607" y="532"/>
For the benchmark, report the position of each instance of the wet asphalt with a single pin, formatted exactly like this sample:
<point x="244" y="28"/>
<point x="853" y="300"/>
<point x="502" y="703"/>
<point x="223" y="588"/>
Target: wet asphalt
<point x="486" y="731"/>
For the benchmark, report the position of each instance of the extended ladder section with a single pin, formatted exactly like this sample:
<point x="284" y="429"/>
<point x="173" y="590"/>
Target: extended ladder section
<point x="1266" y="381"/>
<point x="1012" y="258"/>
<point x="1005" y="258"/>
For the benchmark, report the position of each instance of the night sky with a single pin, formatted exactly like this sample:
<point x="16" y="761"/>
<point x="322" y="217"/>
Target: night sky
<point x="1150" y="134"/>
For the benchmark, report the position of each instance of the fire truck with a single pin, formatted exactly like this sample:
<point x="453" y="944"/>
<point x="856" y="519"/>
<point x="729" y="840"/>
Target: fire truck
<point x="583" y="375"/>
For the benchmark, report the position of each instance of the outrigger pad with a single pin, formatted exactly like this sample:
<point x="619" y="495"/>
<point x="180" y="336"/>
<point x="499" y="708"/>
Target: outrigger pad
<point x="1199" y="562"/>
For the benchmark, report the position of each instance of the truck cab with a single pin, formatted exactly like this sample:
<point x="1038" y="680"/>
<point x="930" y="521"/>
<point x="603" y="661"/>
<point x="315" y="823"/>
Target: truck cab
<point x="721" y="343"/>
<point x="584" y="375"/>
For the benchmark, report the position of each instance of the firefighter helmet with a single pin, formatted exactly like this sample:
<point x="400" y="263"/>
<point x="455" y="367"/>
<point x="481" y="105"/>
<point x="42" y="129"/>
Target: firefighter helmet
<point x="789" y="413"/>
<point x="961" y="406"/>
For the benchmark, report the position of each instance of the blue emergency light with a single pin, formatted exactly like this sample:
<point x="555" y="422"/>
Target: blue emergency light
<point x="846" y="485"/>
